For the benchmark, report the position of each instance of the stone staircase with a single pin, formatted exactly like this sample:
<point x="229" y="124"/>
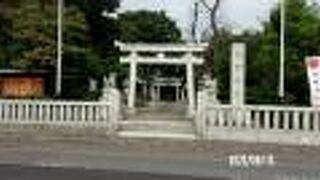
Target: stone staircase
<point x="159" y="121"/>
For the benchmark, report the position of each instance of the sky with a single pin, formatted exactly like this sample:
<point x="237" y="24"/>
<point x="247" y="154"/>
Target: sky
<point x="238" y="15"/>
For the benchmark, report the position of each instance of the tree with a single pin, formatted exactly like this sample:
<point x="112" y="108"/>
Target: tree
<point x="32" y="43"/>
<point x="5" y="39"/>
<point x="148" y="27"/>
<point x="216" y="39"/>
<point x="102" y="32"/>
<point x="30" y="35"/>
<point x="221" y="68"/>
<point x="88" y="49"/>
<point x="218" y="56"/>
<point x="302" y="39"/>
<point x="98" y="57"/>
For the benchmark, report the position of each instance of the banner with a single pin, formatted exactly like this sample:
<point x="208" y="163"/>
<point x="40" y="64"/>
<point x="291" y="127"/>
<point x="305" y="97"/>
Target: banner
<point x="313" y="70"/>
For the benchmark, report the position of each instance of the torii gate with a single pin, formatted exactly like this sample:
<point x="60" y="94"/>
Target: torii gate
<point x="187" y="59"/>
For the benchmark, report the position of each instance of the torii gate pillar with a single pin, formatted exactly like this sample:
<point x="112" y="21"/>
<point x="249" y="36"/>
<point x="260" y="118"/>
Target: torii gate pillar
<point x="190" y="88"/>
<point x="133" y="85"/>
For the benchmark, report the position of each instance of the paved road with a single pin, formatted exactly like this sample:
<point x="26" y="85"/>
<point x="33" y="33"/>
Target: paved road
<point x="33" y="164"/>
<point x="16" y="172"/>
<point x="100" y="155"/>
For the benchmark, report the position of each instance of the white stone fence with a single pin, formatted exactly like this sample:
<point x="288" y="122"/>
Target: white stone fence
<point x="62" y="113"/>
<point x="258" y="123"/>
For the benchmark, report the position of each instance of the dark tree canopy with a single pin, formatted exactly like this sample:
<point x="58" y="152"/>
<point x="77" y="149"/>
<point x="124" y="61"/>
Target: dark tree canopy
<point x="302" y="39"/>
<point x="100" y="54"/>
<point x="148" y="26"/>
<point x="29" y="39"/>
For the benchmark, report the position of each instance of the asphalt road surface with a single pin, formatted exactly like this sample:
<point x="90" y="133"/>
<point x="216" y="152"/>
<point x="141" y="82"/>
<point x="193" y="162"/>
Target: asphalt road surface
<point x="19" y="172"/>
<point x="16" y="172"/>
<point x="26" y="164"/>
<point x="141" y="160"/>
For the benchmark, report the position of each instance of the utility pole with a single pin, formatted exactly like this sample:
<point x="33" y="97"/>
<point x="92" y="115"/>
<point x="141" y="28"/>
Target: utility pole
<point x="59" y="50"/>
<point x="195" y="22"/>
<point x="213" y="10"/>
<point x="282" y="50"/>
<point x="213" y="7"/>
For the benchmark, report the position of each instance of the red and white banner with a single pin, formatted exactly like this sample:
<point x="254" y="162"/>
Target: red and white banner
<point x="313" y="70"/>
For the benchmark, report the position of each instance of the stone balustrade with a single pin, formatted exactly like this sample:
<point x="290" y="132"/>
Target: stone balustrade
<point x="74" y="113"/>
<point x="259" y="123"/>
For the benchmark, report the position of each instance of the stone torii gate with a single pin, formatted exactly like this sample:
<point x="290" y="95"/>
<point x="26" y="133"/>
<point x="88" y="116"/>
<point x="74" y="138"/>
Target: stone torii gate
<point x="186" y="58"/>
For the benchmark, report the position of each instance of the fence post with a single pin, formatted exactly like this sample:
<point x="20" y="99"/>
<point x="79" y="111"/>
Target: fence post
<point x="112" y="97"/>
<point x="200" y="118"/>
<point x="116" y="109"/>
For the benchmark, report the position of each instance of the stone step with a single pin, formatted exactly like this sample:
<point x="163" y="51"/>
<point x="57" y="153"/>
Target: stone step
<point x="162" y="120"/>
<point x="157" y="126"/>
<point x="157" y="129"/>
<point x="161" y="109"/>
<point x="167" y="109"/>
<point x="158" y="117"/>
<point x="157" y="135"/>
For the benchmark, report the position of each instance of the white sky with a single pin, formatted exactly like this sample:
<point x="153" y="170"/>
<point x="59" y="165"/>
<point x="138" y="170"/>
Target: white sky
<point x="236" y="14"/>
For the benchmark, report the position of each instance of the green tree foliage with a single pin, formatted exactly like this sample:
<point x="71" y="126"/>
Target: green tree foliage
<point x="29" y="40"/>
<point x="5" y="39"/>
<point x="99" y="53"/>
<point x="302" y="39"/>
<point x="262" y="77"/>
<point x="220" y="51"/>
<point x="29" y="34"/>
<point x="217" y="55"/>
<point x="103" y="31"/>
<point x="148" y="27"/>
<point x="31" y="27"/>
